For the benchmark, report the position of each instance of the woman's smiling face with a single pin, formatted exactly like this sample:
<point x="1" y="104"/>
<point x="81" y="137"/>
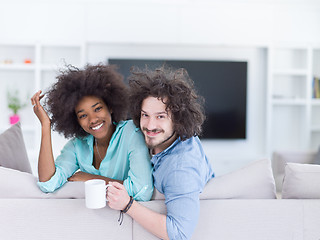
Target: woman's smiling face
<point x="94" y="116"/>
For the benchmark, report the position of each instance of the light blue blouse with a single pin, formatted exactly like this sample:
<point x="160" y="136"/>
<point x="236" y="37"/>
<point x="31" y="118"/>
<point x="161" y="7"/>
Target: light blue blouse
<point x="180" y="173"/>
<point x="127" y="159"/>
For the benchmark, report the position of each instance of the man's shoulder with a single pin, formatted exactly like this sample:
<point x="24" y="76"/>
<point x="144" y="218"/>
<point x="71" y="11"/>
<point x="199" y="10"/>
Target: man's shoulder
<point x="185" y="153"/>
<point x="191" y="145"/>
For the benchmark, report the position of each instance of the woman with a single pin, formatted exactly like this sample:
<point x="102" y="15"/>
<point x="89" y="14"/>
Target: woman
<point x="90" y="105"/>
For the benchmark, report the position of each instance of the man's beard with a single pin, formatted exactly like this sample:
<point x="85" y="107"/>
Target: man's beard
<point x="150" y="145"/>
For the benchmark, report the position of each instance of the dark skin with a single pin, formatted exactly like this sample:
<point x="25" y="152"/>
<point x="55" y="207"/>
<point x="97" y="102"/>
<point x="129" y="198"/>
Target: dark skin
<point x="94" y="117"/>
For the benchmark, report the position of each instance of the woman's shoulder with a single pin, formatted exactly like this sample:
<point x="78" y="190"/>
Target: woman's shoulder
<point x="131" y="133"/>
<point x="81" y="141"/>
<point x="128" y="126"/>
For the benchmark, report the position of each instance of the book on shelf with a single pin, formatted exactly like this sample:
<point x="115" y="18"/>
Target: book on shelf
<point x="316" y="87"/>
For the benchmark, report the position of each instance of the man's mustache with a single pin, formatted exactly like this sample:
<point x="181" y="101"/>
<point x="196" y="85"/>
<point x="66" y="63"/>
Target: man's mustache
<point x="153" y="130"/>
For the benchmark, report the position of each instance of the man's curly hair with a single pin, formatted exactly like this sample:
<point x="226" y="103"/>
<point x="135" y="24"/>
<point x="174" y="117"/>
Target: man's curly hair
<point x="175" y="88"/>
<point x="102" y="81"/>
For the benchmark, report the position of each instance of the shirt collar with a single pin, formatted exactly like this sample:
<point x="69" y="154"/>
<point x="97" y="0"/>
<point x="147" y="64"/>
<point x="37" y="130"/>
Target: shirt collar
<point x="157" y="157"/>
<point x="89" y="138"/>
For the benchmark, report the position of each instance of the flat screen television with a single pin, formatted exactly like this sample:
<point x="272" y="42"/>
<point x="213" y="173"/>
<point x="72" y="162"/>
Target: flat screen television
<point x="223" y="84"/>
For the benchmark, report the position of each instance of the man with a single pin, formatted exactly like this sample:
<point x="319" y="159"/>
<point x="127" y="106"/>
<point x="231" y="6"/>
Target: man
<point x="166" y="107"/>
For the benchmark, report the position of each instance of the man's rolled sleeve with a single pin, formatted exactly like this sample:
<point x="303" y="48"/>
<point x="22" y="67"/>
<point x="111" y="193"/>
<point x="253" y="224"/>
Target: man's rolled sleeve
<point x="182" y="202"/>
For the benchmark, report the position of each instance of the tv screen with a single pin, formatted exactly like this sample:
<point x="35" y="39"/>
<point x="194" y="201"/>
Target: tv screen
<point x="223" y="84"/>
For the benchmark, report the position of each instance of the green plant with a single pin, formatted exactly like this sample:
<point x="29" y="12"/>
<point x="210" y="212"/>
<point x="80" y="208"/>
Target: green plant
<point x="14" y="102"/>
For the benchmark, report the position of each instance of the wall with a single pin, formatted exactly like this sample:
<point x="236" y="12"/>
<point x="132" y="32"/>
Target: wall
<point x="194" y="22"/>
<point x="177" y="29"/>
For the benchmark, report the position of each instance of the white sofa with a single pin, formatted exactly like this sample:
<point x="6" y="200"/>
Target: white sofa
<point x="256" y="219"/>
<point x="241" y="205"/>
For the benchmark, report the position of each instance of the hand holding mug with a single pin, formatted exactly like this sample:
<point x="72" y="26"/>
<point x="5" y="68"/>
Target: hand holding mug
<point x="117" y="196"/>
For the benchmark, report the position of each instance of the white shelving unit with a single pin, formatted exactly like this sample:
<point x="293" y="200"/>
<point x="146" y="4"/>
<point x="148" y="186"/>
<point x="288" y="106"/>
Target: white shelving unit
<point x="315" y="103"/>
<point x="27" y="78"/>
<point x="293" y="116"/>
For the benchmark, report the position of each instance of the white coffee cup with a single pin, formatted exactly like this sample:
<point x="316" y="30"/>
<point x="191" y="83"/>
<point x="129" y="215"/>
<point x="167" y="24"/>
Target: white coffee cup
<point x="95" y="193"/>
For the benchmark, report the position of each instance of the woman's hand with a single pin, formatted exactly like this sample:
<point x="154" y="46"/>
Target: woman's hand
<point x="38" y="109"/>
<point x="81" y="177"/>
<point x="117" y="196"/>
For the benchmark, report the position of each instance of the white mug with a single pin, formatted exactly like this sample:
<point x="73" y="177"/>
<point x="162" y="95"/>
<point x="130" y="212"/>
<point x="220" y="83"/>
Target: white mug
<point x="95" y="193"/>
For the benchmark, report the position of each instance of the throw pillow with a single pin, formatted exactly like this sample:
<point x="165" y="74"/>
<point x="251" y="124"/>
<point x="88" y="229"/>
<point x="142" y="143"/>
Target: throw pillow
<point x="301" y="181"/>
<point x="13" y="153"/>
<point x="17" y="184"/>
<point x="281" y="158"/>
<point x="254" y="181"/>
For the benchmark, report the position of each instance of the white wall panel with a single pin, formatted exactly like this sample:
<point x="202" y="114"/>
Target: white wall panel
<point x="132" y="23"/>
<point x="227" y="23"/>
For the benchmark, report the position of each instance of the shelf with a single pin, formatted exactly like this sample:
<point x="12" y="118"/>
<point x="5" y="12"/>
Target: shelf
<point x="315" y="102"/>
<point x="49" y="67"/>
<point x="292" y="72"/>
<point x="315" y="128"/>
<point x="293" y="116"/>
<point x="17" y="67"/>
<point x="26" y="78"/>
<point x="289" y="102"/>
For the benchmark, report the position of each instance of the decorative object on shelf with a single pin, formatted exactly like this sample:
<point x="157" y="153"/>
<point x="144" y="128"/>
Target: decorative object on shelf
<point x="27" y="61"/>
<point x="316" y="87"/>
<point x="7" y="61"/>
<point x="15" y="104"/>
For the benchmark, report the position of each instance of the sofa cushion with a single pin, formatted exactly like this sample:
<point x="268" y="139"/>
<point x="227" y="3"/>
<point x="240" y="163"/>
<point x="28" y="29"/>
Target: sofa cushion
<point x="13" y="152"/>
<point x="255" y="181"/>
<point x="281" y="158"/>
<point x="301" y="181"/>
<point x="17" y="184"/>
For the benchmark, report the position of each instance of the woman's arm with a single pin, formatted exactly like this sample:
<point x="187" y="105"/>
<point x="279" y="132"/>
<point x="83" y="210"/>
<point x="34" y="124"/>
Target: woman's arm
<point x="46" y="167"/>
<point x="83" y="176"/>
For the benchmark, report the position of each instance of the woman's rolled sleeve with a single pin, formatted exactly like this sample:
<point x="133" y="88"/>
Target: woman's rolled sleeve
<point x="66" y="165"/>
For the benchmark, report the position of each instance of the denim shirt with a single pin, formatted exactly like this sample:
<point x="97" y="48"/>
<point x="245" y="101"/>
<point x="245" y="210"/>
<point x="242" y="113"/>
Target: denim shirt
<point x="180" y="173"/>
<point x="127" y="159"/>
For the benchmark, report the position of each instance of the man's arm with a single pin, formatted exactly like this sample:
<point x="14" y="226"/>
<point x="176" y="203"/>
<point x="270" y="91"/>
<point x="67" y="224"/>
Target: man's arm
<point x="154" y="222"/>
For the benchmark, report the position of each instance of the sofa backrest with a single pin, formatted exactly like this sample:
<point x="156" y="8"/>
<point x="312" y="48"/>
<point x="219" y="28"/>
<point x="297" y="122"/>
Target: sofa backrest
<point x="240" y="219"/>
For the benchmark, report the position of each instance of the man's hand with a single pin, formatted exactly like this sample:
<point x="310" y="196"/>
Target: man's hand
<point x="81" y="177"/>
<point x="117" y="196"/>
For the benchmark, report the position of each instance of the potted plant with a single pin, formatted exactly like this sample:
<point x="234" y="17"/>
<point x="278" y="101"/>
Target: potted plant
<point x="15" y="104"/>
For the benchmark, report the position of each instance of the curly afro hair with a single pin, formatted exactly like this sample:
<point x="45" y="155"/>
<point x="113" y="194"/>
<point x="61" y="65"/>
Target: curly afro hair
<point x="176" y="88"/>
<point x="73" y="84"/>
